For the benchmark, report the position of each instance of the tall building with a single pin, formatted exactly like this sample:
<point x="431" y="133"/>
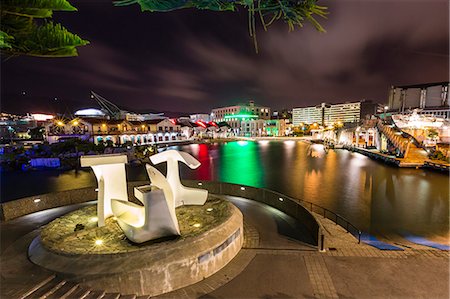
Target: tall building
<point x="234" y="115"/>
<point x="430" y="99"/>
<point x="326" y="114"/>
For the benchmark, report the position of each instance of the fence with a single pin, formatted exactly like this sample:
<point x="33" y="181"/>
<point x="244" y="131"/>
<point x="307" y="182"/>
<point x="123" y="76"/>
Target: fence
<point x="296" y="208"/>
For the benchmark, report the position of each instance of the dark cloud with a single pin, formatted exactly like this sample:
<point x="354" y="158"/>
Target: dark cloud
<point x="195" y="60"/>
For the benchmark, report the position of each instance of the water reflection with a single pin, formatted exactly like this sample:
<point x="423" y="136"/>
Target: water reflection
<point x="240" y="164"/>
<point x="377" y="198"/>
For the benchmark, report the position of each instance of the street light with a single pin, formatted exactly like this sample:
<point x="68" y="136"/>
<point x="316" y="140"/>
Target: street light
<point x="385" y="109"/>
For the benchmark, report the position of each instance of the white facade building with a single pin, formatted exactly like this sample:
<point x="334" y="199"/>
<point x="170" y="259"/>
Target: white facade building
<point x="332" y="113"/>
<point x="234" y="115"/>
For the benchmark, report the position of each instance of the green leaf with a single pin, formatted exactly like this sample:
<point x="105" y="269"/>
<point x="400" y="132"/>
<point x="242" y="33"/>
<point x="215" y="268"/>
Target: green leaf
<point x="22" y="35"/>
<point x="62" y="5"/>
<point x="5" y="40"/>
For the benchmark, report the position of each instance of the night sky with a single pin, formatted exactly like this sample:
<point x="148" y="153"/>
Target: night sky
<point x="191" y="61"/>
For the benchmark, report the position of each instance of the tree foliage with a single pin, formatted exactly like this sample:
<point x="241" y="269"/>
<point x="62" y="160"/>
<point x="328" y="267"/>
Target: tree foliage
<point x="26" y="29"/>
<point x="292" y="12"/>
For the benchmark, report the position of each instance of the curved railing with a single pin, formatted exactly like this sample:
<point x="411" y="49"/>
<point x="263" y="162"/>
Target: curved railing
<point x="294" y="207"/>
<point x="281" y="202"/>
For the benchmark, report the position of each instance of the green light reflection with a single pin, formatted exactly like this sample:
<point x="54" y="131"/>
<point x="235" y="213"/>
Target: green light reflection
<point x="240" y="164"/>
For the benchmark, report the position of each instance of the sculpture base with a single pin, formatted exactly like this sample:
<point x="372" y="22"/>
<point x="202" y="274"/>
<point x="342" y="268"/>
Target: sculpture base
<point x="116" y="265"/>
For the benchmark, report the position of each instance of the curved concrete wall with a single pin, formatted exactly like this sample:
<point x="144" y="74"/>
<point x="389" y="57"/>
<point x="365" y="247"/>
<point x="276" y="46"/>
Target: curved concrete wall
<point x="27" y="205"/>
<point x="159" y="269"/>
<point x="274" y="199"/>
<point x="290" y="206"/>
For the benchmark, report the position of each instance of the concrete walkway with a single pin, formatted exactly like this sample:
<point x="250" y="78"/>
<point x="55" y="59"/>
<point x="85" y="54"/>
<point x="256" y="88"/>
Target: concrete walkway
<point x="276" y="262"/>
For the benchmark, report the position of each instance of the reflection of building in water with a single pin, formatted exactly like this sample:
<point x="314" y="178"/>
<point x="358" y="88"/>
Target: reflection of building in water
<point x="431" y="98"/>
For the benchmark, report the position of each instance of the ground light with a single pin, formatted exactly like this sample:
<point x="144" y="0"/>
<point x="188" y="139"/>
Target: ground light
<point x="98" y="242"/>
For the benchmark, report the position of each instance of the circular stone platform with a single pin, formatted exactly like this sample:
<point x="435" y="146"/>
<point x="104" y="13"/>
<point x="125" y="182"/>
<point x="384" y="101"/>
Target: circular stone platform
<point x="104" y="259"/>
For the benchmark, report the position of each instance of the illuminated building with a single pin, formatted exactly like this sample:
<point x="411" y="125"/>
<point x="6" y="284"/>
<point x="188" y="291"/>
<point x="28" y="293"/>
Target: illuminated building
<point x="430" y="99"/>
<point x="118" y="132"/>
<point x="234" y="115"/>
<point x="350" y="112"/>
<point x="265" y="127"/>
<point x="17" y="127"/>
<point x="204" y="117"/>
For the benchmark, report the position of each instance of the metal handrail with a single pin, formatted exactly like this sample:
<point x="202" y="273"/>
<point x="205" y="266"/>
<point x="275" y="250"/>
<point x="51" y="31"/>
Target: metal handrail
<point x="348" y="224"/>
<point x="324" y="214"/>
<point x="344" y="223"/>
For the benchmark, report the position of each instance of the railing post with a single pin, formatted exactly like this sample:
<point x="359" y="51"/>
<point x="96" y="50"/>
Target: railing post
<point x="322" y="241"/>
<point x="359" y="237"/>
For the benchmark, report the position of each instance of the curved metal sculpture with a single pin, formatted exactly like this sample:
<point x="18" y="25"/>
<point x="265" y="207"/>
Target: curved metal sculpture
<point x="182" y="195"/>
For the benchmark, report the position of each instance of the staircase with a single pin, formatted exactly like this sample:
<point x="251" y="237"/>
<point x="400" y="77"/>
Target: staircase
<point x="408" y="147"/>
<point x="55" y="288"/>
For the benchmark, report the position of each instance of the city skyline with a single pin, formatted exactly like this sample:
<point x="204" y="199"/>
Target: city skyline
<point x="194" y="61"/>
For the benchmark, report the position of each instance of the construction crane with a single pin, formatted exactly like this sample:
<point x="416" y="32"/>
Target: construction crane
<point x="110" y="108"/>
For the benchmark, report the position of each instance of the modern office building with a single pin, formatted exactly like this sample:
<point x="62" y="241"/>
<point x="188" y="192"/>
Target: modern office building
<point x="326" y="114"/>
<point x="234" y="115"/>
<point x="430" y="99"/>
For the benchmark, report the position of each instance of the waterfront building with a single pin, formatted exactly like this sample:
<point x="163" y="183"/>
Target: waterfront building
<point x="204" y="117"/>
<point x="265" y="127"/>
<point x="18" y="127"/>
<point x="234" y="115"/>
<point x="118" y="132"/>
<point x="429" y="99"/>
<point x="328" y="114"/>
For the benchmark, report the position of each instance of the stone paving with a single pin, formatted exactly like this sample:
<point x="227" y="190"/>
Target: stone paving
<point x="320" y="278"/>
<point x="345" y="269"/>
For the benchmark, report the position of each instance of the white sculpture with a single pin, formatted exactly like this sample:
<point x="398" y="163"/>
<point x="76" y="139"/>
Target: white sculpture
<point x="182" y="195"/>
<point x="156" y="218"/>
<point x="112" y="183"/>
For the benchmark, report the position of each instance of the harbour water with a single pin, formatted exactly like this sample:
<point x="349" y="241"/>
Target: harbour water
<point x="377" y="198"/>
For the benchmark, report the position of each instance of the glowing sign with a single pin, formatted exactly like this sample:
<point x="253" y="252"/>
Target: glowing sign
<point x="241" y="116"/>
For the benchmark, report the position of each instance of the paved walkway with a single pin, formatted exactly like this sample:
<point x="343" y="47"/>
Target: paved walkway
<point x="276" y="262"/>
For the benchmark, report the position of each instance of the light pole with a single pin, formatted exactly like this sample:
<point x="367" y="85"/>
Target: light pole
<point x="385" y="109"/>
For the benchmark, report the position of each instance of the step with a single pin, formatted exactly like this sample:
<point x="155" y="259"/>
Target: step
<point x="37" y="286"/>
<point x="79" y="293"/>
<point x="111" y="296"/>
<point x="129" y="297"/>
<point x="53" y="290"/>
<point x="95" y="295"/>
<point x="47" y="289"/>
<point x="64" y="291"/>
<point x="143" y="297"/>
